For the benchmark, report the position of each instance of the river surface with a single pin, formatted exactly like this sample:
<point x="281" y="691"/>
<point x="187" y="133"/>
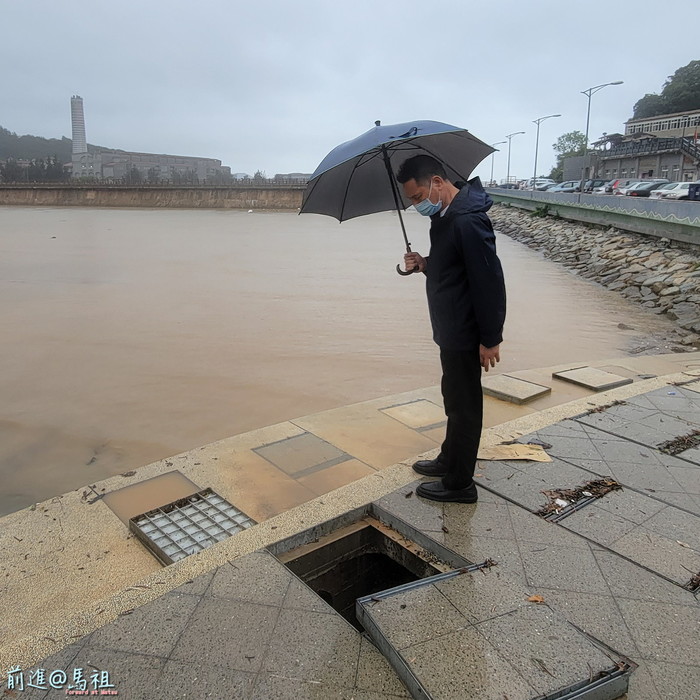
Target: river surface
<point x="131" y="335"/>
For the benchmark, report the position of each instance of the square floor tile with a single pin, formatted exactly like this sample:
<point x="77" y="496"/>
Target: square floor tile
<point x="417" y="414"/>
<point x="592" y="378"/>
<point x="512" y="389"/>
<point x="300" y="454"/>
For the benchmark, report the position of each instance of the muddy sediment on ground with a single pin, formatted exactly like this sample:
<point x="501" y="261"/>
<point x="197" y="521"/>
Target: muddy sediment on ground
<point x="660" y="275"/>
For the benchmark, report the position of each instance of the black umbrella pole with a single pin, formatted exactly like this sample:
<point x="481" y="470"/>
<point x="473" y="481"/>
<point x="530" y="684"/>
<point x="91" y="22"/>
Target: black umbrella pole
<point x="395" y="192"/>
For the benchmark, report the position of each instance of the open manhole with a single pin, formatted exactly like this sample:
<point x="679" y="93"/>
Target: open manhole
<point x="358" y="560"/>
<point x="188" y="525"/>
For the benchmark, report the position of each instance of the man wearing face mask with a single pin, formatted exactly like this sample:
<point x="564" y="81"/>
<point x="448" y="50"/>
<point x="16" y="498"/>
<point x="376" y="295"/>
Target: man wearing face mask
<point x="467" y="304"/>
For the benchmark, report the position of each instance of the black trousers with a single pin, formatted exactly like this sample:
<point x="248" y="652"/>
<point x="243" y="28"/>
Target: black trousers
<point x="464" y="407"/>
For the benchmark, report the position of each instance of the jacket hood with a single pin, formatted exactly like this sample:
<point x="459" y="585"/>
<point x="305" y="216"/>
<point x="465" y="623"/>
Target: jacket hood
<point x="472" y="197"/>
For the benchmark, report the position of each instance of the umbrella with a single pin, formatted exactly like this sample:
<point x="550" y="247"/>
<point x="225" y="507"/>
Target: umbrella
<point x="357" y="177"/>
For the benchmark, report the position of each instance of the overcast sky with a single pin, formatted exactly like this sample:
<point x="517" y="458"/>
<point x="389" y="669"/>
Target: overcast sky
<point x="275" y="84"/>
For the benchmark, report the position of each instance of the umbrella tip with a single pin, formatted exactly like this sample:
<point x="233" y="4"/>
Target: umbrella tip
<point x="377" y="123"/>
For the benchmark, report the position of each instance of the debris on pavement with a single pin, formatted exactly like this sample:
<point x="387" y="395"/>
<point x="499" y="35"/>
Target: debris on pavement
<point x="681" y="443"/>
<point x="564" y="498"/>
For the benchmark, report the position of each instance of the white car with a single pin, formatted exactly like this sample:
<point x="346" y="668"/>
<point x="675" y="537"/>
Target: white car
<point x="680" y="191"/>
<point x="661" y="191"/>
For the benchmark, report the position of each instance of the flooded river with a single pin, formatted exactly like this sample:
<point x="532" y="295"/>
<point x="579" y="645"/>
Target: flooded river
<point x="131" y="335"/>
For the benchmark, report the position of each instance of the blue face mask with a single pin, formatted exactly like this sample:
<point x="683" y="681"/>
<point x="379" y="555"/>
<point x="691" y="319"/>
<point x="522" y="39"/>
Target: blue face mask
<point x="426" y="207"/>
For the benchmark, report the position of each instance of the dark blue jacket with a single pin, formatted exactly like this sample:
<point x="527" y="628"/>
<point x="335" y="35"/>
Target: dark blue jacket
<point x="465" y="286"/>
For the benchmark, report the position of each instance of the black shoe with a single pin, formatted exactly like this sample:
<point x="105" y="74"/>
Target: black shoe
<point x="435" y="491"/>
<point x="430" y="467"/>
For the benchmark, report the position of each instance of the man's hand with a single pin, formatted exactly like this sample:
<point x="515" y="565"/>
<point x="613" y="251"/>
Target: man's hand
<point x="489" y="356"/>
<point x="413" y="260"/>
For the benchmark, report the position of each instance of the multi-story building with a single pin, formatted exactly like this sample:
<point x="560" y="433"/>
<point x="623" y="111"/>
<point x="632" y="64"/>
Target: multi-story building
<point x="111" y="165"/>
<point x="666" y="146"/>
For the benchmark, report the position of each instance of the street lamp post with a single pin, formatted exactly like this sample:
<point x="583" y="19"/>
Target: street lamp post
<point x="589" y="93"/>
<point x="493" y="145"/>
<point x="537" y="144"/>
<point x="509" y="137"/>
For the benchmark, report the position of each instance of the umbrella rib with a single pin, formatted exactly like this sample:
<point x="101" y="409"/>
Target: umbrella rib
<point x="352" y="174"/>
<point x="301" y="210"/>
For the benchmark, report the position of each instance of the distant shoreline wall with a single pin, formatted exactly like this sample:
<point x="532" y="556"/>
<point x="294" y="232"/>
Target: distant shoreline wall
<point x="274" y="198"/>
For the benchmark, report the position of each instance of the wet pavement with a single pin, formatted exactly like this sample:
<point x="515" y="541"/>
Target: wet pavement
<point x="603" y="588"/>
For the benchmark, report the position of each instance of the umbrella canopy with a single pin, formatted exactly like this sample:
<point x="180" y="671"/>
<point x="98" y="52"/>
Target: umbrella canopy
<point x="357" y="177"/>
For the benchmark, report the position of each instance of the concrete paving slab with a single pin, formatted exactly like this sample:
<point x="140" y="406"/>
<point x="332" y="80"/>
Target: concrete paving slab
<point x="255" y="578"/>
<point x="464" y="665"/>
<point x="548" y="652"/>
<point x="531" y="529"/>
<point x="597" y="615"/>
<point x="420" y="513"/>
<point x="483" y="595"/>
<point x="592" y="378"/>
<point x="628" y="580"/>
<point x="373" y="438"/>
<point x="417" y="414"/>
<point x="173" y="612"/>
<point x="550" y="566"/>
<point x="504" y="552"/>
<point x="641" y="685"/>
<point x="229" y="633"/>
<point x="301" y="454"/>
<point x="598" y="525"/>
<point x="543" y="652"/>
<point x="664" y="632"/>
<point x="333" y="477"/>
<point x="676" y="525"/>
<point x="660" y="554"/>
<point x="418" y="615"/>
<point x="676" y="681"/>
<point x="135" y="676"/>
<point x="517" y="391"/>
<point x="688" y="478"/>
<point x="630" y="505"/>
<point x="313" y="646"/>
<point x="374" y="673"/>
<point x="180" y="679"/>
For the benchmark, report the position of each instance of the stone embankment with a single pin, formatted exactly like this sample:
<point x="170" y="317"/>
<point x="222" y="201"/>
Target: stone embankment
<point x="654" y="272"/>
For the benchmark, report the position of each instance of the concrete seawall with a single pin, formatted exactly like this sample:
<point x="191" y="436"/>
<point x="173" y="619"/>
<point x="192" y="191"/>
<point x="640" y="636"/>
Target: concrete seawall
<point x="175" y="197"/>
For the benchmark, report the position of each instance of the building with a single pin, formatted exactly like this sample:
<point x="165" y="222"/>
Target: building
<point x="134" y="167"/>
<point x="666" y="146"/>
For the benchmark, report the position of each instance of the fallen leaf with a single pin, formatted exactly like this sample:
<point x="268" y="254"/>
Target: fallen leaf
<point x="683" y="544"/>
<point x="408" y="495"/>
<point x="535" y="599"/>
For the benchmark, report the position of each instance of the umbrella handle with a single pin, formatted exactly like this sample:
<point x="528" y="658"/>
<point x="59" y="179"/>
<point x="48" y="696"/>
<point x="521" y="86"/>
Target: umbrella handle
<point x="405" y="273"/>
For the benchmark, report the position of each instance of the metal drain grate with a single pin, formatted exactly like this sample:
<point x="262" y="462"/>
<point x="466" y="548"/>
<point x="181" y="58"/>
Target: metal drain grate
<point x="176" y="530"/>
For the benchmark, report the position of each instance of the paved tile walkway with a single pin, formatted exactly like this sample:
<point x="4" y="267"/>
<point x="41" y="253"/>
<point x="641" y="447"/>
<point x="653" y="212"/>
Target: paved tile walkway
<point x="615" y="569"/>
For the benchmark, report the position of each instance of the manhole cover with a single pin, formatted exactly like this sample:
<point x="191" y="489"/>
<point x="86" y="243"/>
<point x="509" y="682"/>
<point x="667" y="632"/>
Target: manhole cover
<point x="189" y="525"/>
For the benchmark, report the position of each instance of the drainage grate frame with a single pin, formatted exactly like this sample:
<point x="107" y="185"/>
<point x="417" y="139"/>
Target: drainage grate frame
<point x="188" y="525"/>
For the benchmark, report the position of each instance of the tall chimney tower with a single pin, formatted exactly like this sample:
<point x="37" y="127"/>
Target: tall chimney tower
<point x="78" y="122"/>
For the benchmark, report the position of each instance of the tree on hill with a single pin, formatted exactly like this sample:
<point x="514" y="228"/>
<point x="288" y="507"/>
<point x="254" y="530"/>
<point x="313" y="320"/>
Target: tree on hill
<point x="28" y="147"/>
<point x="680" y="93"/>
<point x="572" y="143"/>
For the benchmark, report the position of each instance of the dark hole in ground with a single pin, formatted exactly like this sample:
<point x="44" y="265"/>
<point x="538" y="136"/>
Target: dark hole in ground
<point x="345" y="566"/>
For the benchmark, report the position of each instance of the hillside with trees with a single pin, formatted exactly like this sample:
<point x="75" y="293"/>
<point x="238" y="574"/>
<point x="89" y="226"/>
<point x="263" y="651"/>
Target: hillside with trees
<point x="29" y="147"/>
<point x="680" y="93"/>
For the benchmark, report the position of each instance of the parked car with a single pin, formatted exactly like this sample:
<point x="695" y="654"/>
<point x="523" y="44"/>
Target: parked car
<point x="604" y="188"/>
<point x="549" y="186"/>
<point x="508" y="186"/>
<point x="680" y="191"/>
<point x="590" y="185"/>
<point x="619" y="186"/>
<point x="542" y="185"/>
<point x="660" y="192"/>
<point x="568" y="186"/>
<point x="642" y="189"/>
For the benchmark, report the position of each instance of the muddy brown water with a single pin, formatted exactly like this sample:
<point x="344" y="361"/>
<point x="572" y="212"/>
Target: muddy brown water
<point x="132" y="335"/>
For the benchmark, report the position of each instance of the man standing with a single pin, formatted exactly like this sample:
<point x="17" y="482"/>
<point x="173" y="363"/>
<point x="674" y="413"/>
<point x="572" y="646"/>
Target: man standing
<point x="467" y="304"/>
